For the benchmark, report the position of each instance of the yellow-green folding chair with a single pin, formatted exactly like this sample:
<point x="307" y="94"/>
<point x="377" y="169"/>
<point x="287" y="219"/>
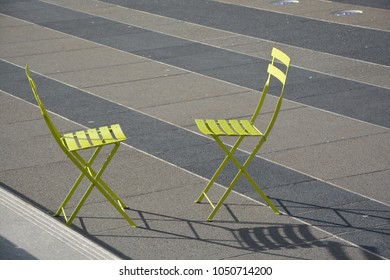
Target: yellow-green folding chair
<point x="242" y="129"/>
<point x="71" y="144"/>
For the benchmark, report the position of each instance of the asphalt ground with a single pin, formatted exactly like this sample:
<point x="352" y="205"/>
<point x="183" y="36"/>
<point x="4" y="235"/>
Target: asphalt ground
<point x="155" y="66"/>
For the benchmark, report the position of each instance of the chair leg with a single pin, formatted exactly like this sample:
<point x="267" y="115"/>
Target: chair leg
<point x="103" y="183"/>
<point x="223" y="198"/>
<point x="261" y="193"/>
<point x="242" y="171"/>
<point x="69" y="220"/>
<point x="212" y="181"/>
<point x="79" y="179"/>
<point x="107" y="195"/>
<point x="107" y="192"/>
<point x="117" y="206"/>
<point x="218" y="171"/>
<point x="96" y="181"/>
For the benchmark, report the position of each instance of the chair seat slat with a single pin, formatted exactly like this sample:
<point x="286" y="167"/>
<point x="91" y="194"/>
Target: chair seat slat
<point x="106" y="134"/>
<point x="82" y="139"/>
<point x="203" y="127"/>
<point x="117" y="130"/>
<point x="250" y="128"/>
<point x="237" y="127"/>
<point x="94" y="136"/>
<point x="213" y="126"/>
<point x="226" y="127"/>
<point x="70" y="142"/>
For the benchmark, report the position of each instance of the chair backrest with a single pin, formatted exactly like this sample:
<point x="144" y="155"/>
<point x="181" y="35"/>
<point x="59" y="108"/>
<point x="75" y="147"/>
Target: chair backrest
<point x="280" y="76"/>
<point x="46" y="117"/>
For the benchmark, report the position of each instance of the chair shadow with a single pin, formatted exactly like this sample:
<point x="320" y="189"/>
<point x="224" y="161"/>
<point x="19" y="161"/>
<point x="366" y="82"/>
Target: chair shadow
<point x="338" y="219"/>
<point x="11" y="251"/>
<point x="247" y="237"/>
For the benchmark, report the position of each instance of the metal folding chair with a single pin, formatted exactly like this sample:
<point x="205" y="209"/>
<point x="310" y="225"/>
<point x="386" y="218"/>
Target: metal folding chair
<point x="242" y="129"/>
<point x="71" y="144"/>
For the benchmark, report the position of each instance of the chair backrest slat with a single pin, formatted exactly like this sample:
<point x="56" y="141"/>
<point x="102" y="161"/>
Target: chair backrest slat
<point x="274" y="71"/>
<point x="279" y="58"/>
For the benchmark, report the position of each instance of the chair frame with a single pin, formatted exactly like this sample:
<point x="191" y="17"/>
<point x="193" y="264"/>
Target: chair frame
<point x="71" y="144"/>
<point x="243" y="129"/>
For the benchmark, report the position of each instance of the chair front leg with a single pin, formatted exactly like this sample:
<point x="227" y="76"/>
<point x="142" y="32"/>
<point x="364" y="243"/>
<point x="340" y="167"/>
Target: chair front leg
<point x="101" y="185"/>
<point x="83" y="165"/>
<point x="104" y="184"/>
<point x="242" y="171"/>
<point x="219" y="170"/>
<point x="107" y="192"/>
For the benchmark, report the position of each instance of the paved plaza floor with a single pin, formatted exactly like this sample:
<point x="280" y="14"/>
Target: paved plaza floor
<point x="154" y="67"/>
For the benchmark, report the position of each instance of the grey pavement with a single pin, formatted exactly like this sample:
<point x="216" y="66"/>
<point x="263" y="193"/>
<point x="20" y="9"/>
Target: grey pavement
<point x="154" y="67"/>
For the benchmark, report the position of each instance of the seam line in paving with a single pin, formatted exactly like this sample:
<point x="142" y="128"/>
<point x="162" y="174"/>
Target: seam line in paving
<point x="130" y="81"/>
<point x="328" y="142"/>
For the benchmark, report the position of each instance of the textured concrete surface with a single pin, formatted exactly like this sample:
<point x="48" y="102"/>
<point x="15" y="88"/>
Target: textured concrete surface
<point x="153" y="67"/>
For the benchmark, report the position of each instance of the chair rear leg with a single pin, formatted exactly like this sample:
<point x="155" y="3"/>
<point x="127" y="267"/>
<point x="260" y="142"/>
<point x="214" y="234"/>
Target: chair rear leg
<point x="79" y="162"/>
<point x="219" y="170"/>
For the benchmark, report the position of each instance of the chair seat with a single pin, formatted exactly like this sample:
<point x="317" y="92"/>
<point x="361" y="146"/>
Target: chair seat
<point x="91" y="138"/>
<point x="228" y="127"/>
